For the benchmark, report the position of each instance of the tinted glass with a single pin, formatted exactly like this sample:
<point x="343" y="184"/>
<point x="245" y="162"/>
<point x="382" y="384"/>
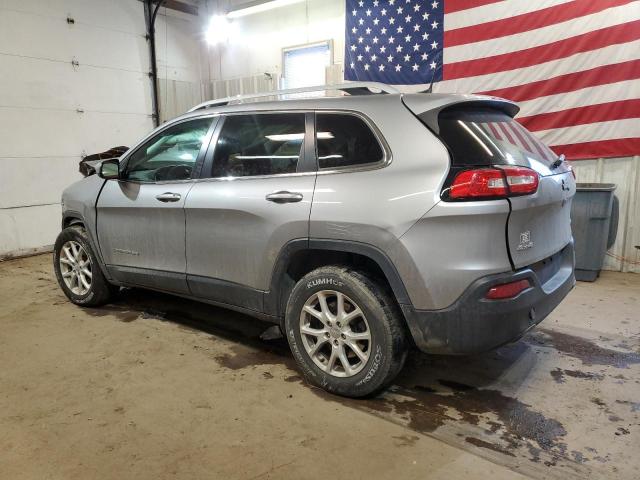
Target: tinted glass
<point x="345" y="140"/>
<point x="488" y="137"/>
<point x="170" y="155"/>
<point x="259" y="144"/>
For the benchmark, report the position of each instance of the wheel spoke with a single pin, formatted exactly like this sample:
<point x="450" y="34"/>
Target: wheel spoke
<point x="317" y="346"/>
<point x="69" y="256"/>
<point x="356" y="349"/>
<point x="356" y="336"/>
<point x="351" y="315"/>
<point x="309" y="309"/>
<point x="345" y="361"/>
<point x="316" y="332"/>
<point x="322" y="300"/>
<point x="67" y="274"/>
<point x="332" y="359"/>
<point x="86" y="284"/>
<point x="340" y="313"/>
<point x="87" y="272"/>
<point x="65" y="261"/>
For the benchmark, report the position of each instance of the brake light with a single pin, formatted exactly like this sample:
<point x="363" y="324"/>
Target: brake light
<point x="485" y="182"/>
<point x="521" y="180"/>
<point x="507" y="290"/>
<point x="494" y="182"/>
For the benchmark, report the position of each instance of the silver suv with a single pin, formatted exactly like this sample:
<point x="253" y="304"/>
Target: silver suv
<point x="362" y="224"/>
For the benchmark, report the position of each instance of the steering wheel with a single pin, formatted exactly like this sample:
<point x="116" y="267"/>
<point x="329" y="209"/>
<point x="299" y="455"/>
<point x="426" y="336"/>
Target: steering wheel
<point x="173" y="172"/>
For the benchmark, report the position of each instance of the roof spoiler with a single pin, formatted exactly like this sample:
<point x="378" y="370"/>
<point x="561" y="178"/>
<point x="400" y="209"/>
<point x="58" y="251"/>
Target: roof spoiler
<point x="430" y="106"/>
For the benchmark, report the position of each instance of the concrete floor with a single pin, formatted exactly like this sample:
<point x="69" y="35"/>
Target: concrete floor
<point x="157" y="387"/>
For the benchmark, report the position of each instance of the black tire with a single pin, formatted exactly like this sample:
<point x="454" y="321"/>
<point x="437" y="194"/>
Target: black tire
<point x="387" y="347"/>
<point x="100" y="291"/>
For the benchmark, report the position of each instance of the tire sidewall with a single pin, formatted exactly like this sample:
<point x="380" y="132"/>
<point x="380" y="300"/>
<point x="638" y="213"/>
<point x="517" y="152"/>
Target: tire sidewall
<point x="77" y="235"/>
<point x="371" y="377"/>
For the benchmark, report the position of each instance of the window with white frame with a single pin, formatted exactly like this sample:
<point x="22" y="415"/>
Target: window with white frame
<point x="304" y="66"/>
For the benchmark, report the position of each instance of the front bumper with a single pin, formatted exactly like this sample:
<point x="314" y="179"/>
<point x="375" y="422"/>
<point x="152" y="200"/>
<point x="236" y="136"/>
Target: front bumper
<point x="474" y="324"/>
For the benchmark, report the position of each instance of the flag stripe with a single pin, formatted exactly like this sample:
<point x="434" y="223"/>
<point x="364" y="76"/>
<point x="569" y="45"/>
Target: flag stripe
<point x="583" y="115"/>
<point x="568" y="82"/>
<point x="553" y="51"/>
<point x="489" y="12"/>
<point x="451" y="6"/>
<point x="620" y="147"/>
<point x="614" y="92"/>
<point x="603" y="56"/>
<point x="628" y="128"/>
<point x="520" y="42"/>
<point x="526" y="22"/>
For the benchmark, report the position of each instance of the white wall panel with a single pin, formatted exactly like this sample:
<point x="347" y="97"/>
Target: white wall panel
<point x="53" y="112"/>
<point x="33" y="132"/>
<point x="52" y="38"/>
<point x="30" y="82"/>
<point x="122" y="15"/>
<point x="29" y="228"/>
<point x="36" y="181"/>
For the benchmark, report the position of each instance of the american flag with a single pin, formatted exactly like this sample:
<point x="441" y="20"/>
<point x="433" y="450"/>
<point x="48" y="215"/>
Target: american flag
<point x="573" y="66"/>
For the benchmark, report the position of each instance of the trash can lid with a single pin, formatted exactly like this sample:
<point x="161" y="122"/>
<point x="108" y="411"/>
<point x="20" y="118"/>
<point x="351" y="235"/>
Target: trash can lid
<point x="595" y="187"/>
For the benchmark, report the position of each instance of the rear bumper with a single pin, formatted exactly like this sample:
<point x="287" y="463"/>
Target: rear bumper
<point x="474" y="324"/>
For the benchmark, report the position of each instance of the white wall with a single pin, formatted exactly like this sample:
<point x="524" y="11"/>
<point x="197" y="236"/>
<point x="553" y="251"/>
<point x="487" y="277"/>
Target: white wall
<point x="258" y="46"/>
<point x="51" y="112"/>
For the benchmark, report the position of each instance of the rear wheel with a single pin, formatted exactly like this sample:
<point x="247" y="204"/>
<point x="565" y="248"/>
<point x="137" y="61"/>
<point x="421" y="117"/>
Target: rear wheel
<point x="77" y="269"/>
<point x="345" y="332"/>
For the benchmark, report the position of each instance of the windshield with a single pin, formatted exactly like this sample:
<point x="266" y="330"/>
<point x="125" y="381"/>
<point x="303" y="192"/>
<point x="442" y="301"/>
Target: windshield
<point x="490" y="137"/>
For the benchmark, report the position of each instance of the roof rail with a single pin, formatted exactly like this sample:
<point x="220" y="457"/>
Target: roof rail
<point x="354" y="88"/>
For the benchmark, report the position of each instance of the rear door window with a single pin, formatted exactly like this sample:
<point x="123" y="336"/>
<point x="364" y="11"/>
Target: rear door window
<point x="345" y="140"/>
<point x="259" y="144"/>
<point x="489" y="137"/>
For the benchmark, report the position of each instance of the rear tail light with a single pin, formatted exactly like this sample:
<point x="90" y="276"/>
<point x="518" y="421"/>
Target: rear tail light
<point x="495" y="182"/>
<point x="507" y="290"/>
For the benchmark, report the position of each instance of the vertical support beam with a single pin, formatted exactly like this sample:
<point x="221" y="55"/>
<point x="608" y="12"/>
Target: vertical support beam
<point x="150" y="17"/>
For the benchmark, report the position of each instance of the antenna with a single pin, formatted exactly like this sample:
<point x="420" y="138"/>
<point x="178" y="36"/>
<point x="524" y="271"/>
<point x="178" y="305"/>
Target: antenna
<point x="433" y="75"/>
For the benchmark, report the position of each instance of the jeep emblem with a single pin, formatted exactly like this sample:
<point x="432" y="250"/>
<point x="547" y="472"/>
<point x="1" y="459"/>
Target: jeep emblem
<point x="525" y="240"/>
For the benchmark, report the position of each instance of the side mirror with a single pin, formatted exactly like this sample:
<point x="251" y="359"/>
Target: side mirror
<point x="110" y="169"/>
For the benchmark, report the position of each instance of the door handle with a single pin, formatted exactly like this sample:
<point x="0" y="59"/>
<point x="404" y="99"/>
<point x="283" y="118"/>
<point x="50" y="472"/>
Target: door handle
<point x="168" y="197"/>
<point x="284" y="197"/>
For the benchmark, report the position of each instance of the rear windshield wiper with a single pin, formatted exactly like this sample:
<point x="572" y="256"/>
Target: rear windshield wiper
<point x="558" y="162"/>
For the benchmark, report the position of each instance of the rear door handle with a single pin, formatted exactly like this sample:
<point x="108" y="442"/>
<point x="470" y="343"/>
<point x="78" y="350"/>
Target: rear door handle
<point x="284" y="197"/>
<point x="168" y="197"/>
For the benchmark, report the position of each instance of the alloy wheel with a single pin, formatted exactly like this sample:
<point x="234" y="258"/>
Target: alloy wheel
<point x="75" y="267"/>
<point x="335" y="333"/>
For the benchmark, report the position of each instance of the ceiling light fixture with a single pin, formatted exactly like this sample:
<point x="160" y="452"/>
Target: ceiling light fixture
<point x="260" y="7"/>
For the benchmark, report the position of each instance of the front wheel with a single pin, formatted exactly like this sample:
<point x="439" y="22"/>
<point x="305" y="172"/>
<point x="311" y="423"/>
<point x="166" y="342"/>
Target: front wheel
<point x="345" y="332"/>
<point x="77" y="269"/>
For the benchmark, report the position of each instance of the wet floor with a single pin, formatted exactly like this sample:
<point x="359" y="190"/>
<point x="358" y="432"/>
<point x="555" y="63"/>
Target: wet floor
<point x="516" y="405"/>
<point x="564" y="402"/>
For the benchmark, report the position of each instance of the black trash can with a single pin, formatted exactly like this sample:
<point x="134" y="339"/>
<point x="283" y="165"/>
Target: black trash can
<point x="594" y="221"/>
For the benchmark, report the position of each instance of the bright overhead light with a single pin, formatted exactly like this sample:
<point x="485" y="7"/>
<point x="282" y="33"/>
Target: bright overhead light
<point x="220" y="30"/>
<point x="261" y="7"/>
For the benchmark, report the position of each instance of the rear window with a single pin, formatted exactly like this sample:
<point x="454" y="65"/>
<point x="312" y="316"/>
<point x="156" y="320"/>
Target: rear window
<point x="490" y="137"/>
<point x="344" y="141"/>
